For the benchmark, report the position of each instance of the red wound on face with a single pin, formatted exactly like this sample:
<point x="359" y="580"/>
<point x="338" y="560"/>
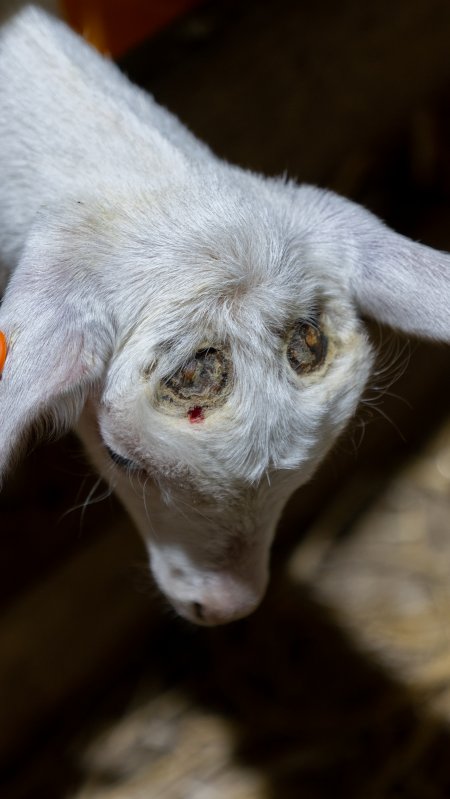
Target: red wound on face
<point x="196" y="414"/>
<point x="3" y="351"/>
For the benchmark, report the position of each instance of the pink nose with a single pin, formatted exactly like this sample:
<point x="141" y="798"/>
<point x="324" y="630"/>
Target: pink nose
<point x="221" y="606"/>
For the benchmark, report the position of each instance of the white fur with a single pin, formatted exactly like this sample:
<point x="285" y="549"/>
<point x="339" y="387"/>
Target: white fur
<point x="130" y="247"/>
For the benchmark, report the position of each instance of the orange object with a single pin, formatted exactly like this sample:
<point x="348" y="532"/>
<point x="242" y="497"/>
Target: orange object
<point x="3" y="350"/>
<point x="114" y="26"/>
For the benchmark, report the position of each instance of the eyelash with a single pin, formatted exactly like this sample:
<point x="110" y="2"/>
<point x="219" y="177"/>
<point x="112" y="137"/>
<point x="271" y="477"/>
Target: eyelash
<point x="120" y="461"/>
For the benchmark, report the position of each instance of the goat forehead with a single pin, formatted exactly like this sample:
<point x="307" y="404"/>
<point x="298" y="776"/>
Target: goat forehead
<point x="208" y="248"/>
<point x="211" y="304"/>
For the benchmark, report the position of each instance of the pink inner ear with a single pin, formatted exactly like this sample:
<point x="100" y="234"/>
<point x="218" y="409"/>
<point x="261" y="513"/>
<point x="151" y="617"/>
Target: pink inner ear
<point x="196" y="414"/>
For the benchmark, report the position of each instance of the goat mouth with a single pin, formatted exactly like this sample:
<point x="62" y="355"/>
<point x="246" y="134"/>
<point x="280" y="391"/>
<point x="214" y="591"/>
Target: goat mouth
<point x="214" y="614"/>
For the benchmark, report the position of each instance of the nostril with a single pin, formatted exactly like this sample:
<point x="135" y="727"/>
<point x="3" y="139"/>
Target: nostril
<point x="198" y="611"/>
<point x="230" y="600"/>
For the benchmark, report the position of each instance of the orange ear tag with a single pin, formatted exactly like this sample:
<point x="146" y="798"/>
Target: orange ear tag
<point x="3" y="351"/>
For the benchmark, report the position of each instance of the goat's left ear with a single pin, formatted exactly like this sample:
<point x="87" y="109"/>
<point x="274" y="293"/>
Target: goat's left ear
<point x="399" y="282"/>
<point x="58" y="345"/>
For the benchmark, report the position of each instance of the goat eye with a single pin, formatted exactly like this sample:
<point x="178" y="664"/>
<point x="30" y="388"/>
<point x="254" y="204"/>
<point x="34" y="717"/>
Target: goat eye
<point x="119" y="460"/>
<point x="201" y="380"/>
<point x="307" y="347"/>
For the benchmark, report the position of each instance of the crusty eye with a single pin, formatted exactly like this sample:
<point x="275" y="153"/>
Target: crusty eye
<point x="306" y="347"/>
<point x="201" y="380"/>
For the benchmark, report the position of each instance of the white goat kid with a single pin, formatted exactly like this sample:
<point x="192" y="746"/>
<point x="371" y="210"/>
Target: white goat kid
<point x="196" y="323"/>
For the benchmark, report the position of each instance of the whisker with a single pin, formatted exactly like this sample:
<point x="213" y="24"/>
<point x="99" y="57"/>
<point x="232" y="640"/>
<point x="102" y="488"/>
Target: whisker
<point x="90" y="500"/>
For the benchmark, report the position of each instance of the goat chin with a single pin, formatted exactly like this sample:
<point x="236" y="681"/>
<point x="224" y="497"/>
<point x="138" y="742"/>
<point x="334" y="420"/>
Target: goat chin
<point x="198" y="324"/>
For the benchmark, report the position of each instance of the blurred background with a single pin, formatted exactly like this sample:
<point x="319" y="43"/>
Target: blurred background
<point x="338" y="686"/>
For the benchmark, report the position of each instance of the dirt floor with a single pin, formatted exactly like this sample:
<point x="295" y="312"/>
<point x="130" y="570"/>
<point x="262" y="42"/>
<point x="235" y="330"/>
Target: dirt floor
<point x="339" y="685"/>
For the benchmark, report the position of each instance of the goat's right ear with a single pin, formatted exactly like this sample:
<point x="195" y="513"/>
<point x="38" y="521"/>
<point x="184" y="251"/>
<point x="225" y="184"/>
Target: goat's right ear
<point x="58" y="344"/>
<point x="398" y="281"/>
